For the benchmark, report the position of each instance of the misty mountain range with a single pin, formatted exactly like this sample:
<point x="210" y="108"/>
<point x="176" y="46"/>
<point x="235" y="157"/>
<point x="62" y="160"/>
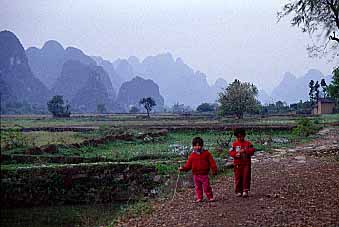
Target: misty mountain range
<point x="292" y="89"/>
<point x="17" y="81"/>
<point x="35" y="75"/>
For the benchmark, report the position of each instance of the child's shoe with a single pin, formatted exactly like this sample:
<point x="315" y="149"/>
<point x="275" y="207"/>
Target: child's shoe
<point x="239" y="194"/>
<point x="198" y="201"/>
<point x="245" y="194"/>
<point x="211" y="200"/>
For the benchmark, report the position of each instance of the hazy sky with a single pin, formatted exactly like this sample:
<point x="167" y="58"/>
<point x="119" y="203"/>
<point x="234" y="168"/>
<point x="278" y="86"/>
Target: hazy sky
<point x="226" y="38"/>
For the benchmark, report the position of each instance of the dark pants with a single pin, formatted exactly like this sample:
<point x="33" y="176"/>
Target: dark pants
<point x="242" y="178"/>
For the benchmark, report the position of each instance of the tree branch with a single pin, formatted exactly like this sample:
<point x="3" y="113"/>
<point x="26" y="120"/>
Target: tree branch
<point x="335" y="11"/>
<point x="334" y="37"/>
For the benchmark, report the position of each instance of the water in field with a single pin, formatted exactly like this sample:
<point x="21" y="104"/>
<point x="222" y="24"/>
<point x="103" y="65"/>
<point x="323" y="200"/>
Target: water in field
<point x="60" y="216"/>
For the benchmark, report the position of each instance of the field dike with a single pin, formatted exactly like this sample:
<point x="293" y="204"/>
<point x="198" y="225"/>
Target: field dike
<point x="35" y="154"/>
<point x="78" y="184"/>
<point x="91" y="183"/>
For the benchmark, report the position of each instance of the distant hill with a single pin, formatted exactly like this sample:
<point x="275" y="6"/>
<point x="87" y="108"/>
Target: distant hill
<point x="124" y="70"/>
<point x="109" y="68"/>
<point x="78" y="82"/>
<point x="47" y="62"/>
<point x="177" y="81"/>
<point x="264" y="98"/>
<point x="93" y="93"/>
<point x="7" y="96"/>
<point x="131" y="92"/>
<point x="32" y="76"/>
<point x="292" y="89"/>
<point x="17" y="82"/>
<point x="219" y="85"/>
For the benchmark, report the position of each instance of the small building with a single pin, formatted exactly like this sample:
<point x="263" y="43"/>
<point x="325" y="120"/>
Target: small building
<point x="324" y="106"/>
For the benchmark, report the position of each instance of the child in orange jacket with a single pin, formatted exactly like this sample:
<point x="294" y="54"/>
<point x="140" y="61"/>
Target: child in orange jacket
<point x="241" y="152"/>
<point x="200" y="161"/>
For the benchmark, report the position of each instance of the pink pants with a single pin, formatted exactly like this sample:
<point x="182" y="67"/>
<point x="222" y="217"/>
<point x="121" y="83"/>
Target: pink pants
<point x="202" y="183"/>
<point x="242" y="178"/>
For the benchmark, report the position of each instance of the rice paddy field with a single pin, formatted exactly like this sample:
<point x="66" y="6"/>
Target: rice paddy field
<point x="132" y="120"/>
<point x="176" y="144"/>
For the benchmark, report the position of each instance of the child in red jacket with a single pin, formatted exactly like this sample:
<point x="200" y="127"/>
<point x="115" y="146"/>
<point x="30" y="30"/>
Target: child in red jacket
<point x="200" y="161"/>
<point x="242" y="151"/>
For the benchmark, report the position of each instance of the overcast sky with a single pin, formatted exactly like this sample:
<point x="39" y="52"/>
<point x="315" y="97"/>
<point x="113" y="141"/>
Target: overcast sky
<point x="226" y="38"/>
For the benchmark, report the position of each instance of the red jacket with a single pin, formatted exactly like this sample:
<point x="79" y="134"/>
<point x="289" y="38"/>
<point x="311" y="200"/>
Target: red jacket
<point x="245" y="158"/>
<point x="200" y="163"/>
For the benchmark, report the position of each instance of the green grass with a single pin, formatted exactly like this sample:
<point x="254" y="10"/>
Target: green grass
<point x="15" y="166"/>
<point x="40" y="138"/>
<point x="128" y="119"/>
<point x="132" y="120"/>
<point x="328" y="118"/>
<point x="176" y="144"/>
<point x="133" y="210"/>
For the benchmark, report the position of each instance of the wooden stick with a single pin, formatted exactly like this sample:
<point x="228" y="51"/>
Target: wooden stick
<point x="176" y="186"/>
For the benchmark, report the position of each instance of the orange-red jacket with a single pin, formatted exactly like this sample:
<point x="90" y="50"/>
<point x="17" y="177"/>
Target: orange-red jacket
<point x="245" y="158"/>
<point x="200" y="163"/>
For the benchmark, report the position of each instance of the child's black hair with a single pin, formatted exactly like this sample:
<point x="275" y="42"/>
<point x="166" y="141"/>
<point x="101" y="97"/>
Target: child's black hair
<point x="197" y="141"/>
<point x="239" y="131"/>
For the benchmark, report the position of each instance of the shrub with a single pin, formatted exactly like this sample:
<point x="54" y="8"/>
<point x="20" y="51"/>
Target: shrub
<point x="12" y="138"/>
<point x="305" y="127"/>
<point x="206" y="107"/>
<point x="134" y="109"/>
<point x="57" y="108"/>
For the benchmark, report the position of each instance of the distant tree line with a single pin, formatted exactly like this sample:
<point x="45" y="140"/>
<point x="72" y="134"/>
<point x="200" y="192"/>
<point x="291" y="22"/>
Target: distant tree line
<point x="238" y="98"/>
<point x="328" y="91"/>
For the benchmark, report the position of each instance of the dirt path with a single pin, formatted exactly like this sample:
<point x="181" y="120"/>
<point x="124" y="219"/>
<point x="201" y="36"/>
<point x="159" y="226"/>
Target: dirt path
<point x="293" y="187"/>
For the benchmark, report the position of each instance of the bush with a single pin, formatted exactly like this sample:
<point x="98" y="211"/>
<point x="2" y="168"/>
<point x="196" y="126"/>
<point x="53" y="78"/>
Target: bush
<point x="12" y="138"/>
<point x="305" y="127"/>
<point x="134" y="109"/>
<point x="57" y="108"/>
<point x="206" y="107"/>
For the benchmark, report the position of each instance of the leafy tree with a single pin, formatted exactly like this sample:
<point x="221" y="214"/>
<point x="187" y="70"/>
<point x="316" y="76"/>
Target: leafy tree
<point x="205" y="107"/>
<point x="148" y="103"/>
<point x="281" y="106"/>
<point x="264" y="110"/>
<point x="311" y="93"/>
<point x="101" y="108"/>
<point x="319" y="17"/>
<point x="57" y="108"/>
<point x="333" y="87"/>
<point x="316" y="90"/>
<point x="302" y="107"/>
<point x="181" y="108"/>
<point x="324" y="87"/>
<point x="238" y="98"/>
<point x="134" y="109"/>
<point x="278" y="107"/>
